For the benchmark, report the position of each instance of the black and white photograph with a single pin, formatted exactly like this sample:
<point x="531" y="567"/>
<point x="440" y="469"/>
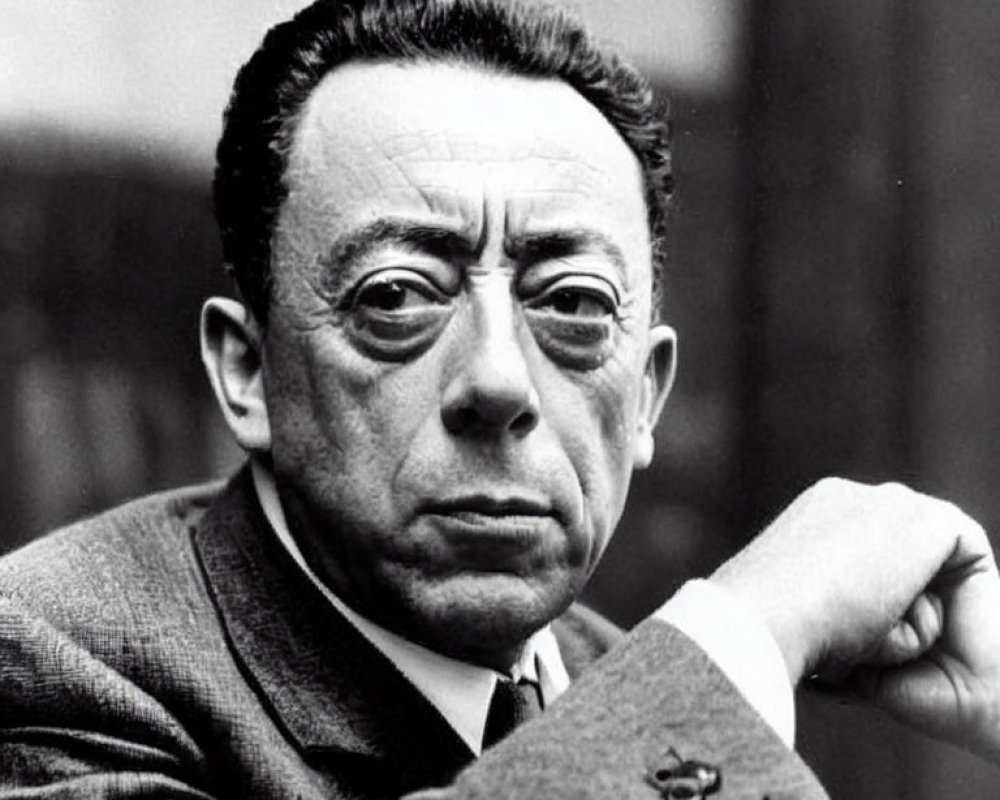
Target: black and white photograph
<point x="459" y="399"/>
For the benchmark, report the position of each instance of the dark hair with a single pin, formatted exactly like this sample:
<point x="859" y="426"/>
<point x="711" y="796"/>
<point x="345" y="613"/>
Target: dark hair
<point x="512" y="37"/>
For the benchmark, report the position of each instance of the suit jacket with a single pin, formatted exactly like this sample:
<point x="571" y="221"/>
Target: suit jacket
<point x="170" y="648"/>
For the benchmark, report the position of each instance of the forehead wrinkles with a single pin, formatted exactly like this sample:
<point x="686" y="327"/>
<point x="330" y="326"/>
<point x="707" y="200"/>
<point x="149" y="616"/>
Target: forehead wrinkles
<point x="385" y="159"/>
<point x="447" y="113"/>
<point x="449" y="173"/>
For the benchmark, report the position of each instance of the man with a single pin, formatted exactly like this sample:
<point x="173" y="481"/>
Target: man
<point x="444" y="218"/>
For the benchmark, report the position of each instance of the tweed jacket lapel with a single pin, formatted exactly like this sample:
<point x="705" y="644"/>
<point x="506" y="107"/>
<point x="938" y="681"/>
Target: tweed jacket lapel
<point x="331" y="692"/>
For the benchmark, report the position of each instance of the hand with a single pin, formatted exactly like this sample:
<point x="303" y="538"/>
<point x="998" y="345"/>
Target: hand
<point x="893" y="594"/>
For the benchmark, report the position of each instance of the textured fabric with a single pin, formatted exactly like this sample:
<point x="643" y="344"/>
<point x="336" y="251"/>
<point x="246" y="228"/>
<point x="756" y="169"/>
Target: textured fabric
<point x="169" y="648"/>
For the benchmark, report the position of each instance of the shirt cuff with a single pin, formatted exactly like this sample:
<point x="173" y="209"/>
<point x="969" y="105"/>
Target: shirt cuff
<point x="741" y="645"/>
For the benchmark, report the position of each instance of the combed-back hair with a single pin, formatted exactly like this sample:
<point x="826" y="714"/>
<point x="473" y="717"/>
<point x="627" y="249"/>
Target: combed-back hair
<point x="506" y="36"/>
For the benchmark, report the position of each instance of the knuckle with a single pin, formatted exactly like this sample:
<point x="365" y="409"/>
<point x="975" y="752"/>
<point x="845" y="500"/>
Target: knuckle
<point x="834" y="490"/>
<point x="897" y="489"/>
<point x="832" y="485"/>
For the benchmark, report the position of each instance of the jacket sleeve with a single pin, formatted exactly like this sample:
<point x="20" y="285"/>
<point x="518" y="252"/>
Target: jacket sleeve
<point x="627" y="724"/>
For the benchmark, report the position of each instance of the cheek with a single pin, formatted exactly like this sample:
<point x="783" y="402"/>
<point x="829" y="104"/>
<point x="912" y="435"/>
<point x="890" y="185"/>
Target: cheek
<point x="298" y="416"/>
<point x="328" y="405"/>
<point x="598" y="436"/>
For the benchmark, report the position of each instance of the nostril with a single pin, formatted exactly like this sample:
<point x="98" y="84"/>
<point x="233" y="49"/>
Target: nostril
<point x="457" y="420"/>
<point x="490" y="403"/>
<point x="524" y="422"/>
<point x="466" y="417"/>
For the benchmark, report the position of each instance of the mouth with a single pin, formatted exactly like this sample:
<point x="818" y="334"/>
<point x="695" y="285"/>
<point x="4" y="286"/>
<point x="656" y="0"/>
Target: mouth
<point x="484" y="505"/>
<point x="485" y="520"/>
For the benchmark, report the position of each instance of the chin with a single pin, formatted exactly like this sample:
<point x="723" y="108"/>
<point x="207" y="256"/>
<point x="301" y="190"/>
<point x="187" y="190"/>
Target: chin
<point x="483" y="618"/>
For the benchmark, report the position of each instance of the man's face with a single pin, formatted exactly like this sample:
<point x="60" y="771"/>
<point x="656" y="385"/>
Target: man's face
<point x="457" y="359"/>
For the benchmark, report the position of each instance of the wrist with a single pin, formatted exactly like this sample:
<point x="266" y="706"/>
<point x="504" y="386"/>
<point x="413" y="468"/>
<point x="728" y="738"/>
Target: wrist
<point x="777" y="610"/>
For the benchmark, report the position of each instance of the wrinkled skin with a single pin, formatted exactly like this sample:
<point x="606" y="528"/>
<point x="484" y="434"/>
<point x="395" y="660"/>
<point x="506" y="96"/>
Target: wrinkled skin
<point x="459" y="369"/>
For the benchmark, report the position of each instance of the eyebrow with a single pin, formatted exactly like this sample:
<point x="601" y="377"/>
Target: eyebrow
<point x="532" y="248"/>
<point x="526" y="249"/>
<point x="353" y="247"/>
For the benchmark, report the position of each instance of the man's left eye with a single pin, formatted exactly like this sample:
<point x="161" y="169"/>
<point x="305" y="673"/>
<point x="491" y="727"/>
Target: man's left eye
<point x="582" y="298"/>
<point x="573" y="319"/>
<point x="577" y="303"/>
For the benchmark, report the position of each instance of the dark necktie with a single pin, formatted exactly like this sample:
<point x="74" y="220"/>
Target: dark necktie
<point x="512" y="704"/>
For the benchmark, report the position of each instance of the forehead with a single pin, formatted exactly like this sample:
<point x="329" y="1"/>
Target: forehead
<point x="467" y="147"/>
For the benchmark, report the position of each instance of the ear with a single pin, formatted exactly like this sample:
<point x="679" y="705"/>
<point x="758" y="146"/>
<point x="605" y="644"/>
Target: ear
<point x="658" y="380"/>
<point x="231" y="352"/>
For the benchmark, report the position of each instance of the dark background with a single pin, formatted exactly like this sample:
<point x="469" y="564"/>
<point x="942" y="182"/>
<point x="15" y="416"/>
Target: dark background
<point x="833" y="279"/>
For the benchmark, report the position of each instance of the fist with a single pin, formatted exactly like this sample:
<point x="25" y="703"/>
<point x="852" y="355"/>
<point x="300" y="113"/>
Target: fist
<point x="892" y="592"/>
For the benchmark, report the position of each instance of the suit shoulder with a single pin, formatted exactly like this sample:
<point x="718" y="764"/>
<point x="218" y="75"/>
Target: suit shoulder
<point x="103" y="556"/>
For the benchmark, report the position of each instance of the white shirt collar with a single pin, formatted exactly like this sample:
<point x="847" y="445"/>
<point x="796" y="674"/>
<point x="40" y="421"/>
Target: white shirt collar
<point x="461" y="692"/>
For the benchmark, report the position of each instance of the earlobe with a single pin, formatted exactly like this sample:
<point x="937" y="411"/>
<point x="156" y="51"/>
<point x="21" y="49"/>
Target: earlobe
<point x="658" y="380"/>
<point x="231" y="353"/>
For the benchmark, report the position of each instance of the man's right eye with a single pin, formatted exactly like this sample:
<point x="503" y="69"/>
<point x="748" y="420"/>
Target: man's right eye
<point x="386" y="296"/>
<point x="396" y="314"/>
<point x="391" y="291"/>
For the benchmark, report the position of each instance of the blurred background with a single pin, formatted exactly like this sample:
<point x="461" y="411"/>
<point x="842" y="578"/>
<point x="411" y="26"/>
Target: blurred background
<point x="833" y="279"/>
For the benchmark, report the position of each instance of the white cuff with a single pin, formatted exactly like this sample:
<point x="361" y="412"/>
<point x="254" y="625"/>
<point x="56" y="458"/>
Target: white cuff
<point x="741" y="645"/>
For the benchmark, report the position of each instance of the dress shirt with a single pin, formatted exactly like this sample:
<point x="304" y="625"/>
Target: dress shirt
<point x="737" y="640"/>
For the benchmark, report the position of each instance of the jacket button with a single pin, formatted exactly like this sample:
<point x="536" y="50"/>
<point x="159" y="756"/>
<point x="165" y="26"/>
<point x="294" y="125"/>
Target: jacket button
<point x="684" y="779"/>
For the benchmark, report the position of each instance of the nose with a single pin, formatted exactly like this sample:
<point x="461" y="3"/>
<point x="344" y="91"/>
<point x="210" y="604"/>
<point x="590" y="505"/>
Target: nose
<point x="490" y="389"/>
